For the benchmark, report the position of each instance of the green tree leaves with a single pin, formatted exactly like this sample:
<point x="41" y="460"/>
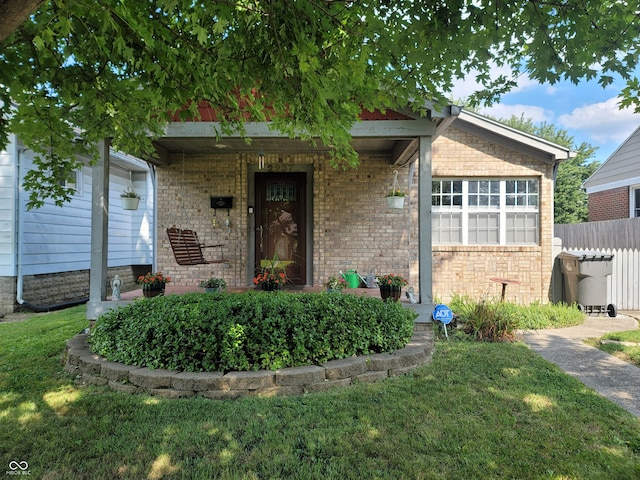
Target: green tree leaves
<point x="107" y="68"/>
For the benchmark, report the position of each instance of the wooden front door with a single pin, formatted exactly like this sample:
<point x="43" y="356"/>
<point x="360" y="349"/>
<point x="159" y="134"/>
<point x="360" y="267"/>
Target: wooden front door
<point x="281" y="224"/>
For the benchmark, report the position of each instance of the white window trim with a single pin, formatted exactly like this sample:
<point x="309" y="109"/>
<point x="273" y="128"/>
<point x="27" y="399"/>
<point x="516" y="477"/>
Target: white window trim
<point x="502" y="210"/>
<point x="632" y="200"/>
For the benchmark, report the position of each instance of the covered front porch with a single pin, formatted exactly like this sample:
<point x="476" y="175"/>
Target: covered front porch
<point x="288" y="202"/>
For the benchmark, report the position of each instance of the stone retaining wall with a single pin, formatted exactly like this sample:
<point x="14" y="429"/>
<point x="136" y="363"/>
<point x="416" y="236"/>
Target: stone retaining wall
<point x="93" y="369"/>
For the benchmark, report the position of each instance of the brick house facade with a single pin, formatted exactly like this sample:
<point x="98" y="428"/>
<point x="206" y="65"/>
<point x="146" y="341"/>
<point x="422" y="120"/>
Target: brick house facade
<point x="613" y="190"/>
<point x="609" y="204"/>
<point x="468" y="269"/>
<point x="350" y="224"/>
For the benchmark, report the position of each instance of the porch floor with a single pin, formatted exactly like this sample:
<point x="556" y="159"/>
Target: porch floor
<point x="179" y="290"/>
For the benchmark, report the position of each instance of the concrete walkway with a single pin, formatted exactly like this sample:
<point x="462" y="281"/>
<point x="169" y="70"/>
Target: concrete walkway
<point x="611" y="377"/>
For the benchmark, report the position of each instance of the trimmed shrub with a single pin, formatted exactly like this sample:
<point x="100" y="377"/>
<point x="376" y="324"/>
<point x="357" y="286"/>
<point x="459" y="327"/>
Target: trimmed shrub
<point x="249" y="331"/>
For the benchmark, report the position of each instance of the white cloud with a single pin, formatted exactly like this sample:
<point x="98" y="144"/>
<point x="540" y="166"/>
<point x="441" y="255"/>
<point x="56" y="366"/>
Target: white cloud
<point x="603" y="121"/>
<point x="464" y="87"/>
<point x="535" y="113"/>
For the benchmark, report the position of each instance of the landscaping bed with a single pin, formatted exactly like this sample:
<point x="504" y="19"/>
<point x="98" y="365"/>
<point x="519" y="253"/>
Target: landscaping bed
<point x="251" y="331"/>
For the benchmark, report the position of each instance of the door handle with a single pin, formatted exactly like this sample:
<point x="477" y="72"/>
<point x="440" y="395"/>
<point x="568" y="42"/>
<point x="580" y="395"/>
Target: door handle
<point x="260" y="229"/>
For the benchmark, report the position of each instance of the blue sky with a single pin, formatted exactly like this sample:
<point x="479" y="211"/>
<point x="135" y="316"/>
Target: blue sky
<point x="586" y="111"/>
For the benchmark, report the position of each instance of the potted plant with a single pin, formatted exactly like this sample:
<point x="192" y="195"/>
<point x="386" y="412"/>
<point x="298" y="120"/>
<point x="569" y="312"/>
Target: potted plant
<point x="272" y="277"/>
<point x="270" y="280"/>
<point x="130" y="199"/>
<point x="153" y="284"/>
<point x="391" y="286"/>
<point x="213" y="285"/>
<point x="335" y="284"/>
<point x="395" y="198"/>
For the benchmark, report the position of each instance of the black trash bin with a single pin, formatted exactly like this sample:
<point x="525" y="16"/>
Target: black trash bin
<point x="585" y="275"/>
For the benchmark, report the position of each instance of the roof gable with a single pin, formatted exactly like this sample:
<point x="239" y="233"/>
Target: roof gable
<point x="515" y="139"/>
<point x="621" y="169"/>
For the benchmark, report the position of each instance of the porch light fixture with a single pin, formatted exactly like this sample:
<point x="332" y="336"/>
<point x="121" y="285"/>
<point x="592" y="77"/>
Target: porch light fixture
<point x="260" y="160"/>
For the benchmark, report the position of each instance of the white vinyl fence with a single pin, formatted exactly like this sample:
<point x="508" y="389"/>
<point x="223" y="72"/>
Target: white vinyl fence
<point x="618" y="237"/>
<point x="623" y="285"/>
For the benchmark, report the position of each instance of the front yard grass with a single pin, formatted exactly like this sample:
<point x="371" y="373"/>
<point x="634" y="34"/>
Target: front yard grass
<point x="620" y="345"/>
<point x="479" y="410"/>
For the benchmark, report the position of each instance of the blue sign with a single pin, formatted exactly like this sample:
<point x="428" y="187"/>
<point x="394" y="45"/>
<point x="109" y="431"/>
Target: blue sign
<point x="442" y="313"/>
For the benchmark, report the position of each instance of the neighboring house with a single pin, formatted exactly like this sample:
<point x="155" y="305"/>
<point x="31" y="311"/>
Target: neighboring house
<point x="479" y="205"/>
<point x="45" y="253"/>
<point x="614" y="188"/>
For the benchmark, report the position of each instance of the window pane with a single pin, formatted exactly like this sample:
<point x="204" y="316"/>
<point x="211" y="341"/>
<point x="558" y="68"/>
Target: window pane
<point x="522" y="193"/>
<point x="484" y="228"/>
<point x="446" y="228"/>
<point x="511" y="186"/>
<point x="446" y="193"/>
<point x="522" y="228"/>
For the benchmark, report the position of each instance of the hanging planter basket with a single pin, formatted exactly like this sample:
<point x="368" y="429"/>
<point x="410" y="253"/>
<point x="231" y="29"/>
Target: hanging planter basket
<point x="395" y="202"/>
<point x="130" y="203"/>
<point x="395" y="197"/>
<point x="130" y="199"/>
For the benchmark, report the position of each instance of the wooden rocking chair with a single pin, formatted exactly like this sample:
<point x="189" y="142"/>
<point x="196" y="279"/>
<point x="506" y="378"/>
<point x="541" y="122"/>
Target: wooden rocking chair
<point x="187" y="248"/>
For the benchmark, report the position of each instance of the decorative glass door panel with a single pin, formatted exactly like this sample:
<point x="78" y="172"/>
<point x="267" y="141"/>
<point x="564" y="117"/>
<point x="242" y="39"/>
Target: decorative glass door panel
<point x="281" y="224"/>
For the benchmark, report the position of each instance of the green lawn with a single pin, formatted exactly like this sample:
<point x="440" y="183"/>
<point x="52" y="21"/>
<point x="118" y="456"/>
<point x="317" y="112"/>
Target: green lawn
<point x="627" y="352"/>
<point x="479" y="410"/>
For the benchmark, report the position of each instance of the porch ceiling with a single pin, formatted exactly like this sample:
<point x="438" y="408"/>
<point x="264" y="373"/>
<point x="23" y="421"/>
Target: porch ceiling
<point x="190" y="145"/>
<point x="397" y="138"/>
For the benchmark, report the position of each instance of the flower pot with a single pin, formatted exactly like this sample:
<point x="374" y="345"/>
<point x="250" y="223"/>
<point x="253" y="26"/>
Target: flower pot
<point x="130" y="203"/>
<point x="334" y="290"/>
<point x="390" y="291"/>
<point x="395" y="202"/>
<point x="212" y="289"/>
<point x="153" y="292"/>
<point x="270" y="287"/>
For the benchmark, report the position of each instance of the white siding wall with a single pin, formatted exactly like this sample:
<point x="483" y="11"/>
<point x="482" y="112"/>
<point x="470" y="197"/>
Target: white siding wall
<point x="130" y="232"/>
<point x="8" y="209"/>
<point x="622" y="168"/>
<point x="57" y="239"/>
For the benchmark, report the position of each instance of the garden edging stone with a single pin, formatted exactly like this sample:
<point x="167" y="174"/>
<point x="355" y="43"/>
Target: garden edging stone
<point x="93" y="369"/>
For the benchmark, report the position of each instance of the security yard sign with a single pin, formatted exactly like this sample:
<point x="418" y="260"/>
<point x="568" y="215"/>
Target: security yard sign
<point x="442" y="313"/>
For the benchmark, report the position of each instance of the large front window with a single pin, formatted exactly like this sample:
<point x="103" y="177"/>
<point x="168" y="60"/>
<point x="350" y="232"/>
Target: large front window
<point x="485" y="212"/>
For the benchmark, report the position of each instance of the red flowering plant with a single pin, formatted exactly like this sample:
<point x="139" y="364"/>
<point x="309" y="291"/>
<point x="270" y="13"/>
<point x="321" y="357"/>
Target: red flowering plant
<point x="272" y="277"/>
<point x="391" y="280"/>
<point x="153" y="281"/>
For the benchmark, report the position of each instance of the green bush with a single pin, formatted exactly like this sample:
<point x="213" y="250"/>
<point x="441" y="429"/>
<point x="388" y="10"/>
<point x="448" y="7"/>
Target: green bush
<point x="249" y="331"/>
<point x="492" y="321"/>
<point x="548" y="315"/>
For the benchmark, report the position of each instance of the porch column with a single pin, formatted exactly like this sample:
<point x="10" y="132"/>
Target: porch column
<point x="99" y="230"/>
<point x="425" y="252"/>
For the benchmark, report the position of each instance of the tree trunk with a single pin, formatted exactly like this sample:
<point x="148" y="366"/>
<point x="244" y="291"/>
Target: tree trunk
<point x="13" y="13"/>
